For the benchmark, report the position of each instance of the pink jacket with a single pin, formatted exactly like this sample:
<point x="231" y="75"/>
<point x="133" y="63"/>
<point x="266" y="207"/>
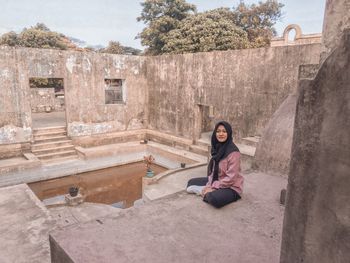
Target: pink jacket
<point x="229" y="174"/>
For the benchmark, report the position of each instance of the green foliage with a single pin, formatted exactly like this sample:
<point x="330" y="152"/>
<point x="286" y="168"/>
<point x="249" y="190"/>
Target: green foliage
<point x="161" y="16"/>
<point x="154" y="9"/>
<point x="55" y="83"/>
<point x="258" y="20"/>
<point x="212" y="30"/>
<point x="42" y="27"/>
<point x="171" y="26"/>
<point x="10" y="39"/>
<point x="114" y="47"/>
<point x="38" y="36"/>
<point x="131" y="50"/>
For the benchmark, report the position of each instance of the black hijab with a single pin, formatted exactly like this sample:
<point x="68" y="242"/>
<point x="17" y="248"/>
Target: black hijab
<point x="220" y="150"/>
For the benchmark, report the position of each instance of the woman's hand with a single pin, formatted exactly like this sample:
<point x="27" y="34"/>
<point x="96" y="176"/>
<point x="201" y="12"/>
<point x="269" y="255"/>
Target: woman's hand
<point x="206" y="190"/>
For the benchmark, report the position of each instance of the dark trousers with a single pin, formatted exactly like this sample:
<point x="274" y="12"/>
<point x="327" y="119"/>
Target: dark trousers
<point x="218" y="198"/>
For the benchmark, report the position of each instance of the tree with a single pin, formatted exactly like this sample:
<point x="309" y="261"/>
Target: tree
<point x="131" y="50"/>
<point x="160" y="17"/>
<point x="55" y="83"/>
<point x="42" y="27"/>
<point x="258" y="20"/>
<point x="211" y="30"/>
<point x="10" y="39"/>
<point x="38" y="36"/>
<point x="170" y="29"/>
<point x="114" y="47"/>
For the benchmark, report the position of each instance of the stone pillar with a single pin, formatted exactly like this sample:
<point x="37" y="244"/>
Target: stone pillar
<point x="336" y="19"/>
<point x="316" y="225"/>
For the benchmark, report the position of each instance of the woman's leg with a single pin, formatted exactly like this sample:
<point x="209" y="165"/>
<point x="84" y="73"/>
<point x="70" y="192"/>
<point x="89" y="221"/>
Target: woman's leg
<point x="201" y="181"/>
<point x="221" y="197"/>
<point x="196" y="185"/>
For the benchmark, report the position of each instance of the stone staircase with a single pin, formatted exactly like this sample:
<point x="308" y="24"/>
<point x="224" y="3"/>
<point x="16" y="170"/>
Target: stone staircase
<point x="247" y="148"/>
<point x="51" y="145"/>
<point x="251" y="141"/>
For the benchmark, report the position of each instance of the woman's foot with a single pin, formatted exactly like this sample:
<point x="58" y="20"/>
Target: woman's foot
<point x="195" y="189"/>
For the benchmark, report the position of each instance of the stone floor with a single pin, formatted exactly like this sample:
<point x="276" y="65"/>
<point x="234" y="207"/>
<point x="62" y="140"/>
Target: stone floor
<point x="182" y="228"/>
<point x="168" y="225"/>
<point x="25" y="226"/>
<point x="174" y="227"/>
<point x="51" y="119"/>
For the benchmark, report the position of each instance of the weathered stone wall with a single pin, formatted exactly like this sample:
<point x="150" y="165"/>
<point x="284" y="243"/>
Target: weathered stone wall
<point x="86" y="73"/>
<point x="316" y="223"/>
<point x="244" y="86"/>
<point x="336" y="19"/>
<point x="299" y="39"/>
<point x="45" y="100"/>
<point x="84" y="85"/>
<point x="274" y="149"/>
<point x="15" y="121"/>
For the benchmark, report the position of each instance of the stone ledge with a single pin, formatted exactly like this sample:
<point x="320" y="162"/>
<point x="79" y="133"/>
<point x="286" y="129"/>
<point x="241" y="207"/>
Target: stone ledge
<point x="177" y="229"/>
<point x="17" y="164"/>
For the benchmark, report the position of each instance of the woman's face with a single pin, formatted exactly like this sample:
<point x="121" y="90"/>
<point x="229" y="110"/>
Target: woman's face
<point x="221" y="133"/>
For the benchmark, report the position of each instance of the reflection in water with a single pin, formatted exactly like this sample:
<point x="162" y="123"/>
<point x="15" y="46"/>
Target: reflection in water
<point x="108" y="186"/>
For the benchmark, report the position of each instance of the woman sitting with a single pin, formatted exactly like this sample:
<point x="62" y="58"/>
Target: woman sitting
<point x="224" y="183"/>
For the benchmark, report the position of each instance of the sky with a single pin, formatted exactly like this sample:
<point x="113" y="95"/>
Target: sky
<point x="98" y="21"/>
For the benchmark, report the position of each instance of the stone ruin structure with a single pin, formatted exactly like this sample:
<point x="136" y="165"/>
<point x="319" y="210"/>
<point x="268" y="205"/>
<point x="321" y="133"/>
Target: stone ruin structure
<point x="316" y="221"/>
<point x="296" y="97"/>
<point x="244" y="87"/>
<point x="299" y="38"/>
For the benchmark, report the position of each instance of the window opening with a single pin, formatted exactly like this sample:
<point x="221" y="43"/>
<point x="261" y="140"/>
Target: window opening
<point x="114" y="91"/>
<point x="292" y="35"/>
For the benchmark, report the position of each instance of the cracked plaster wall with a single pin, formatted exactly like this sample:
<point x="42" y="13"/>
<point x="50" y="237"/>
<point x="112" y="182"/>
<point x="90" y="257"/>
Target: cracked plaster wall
<point x="316" y="225"/>
<point x="245" y="87"/>
<point x="83" y="75"/>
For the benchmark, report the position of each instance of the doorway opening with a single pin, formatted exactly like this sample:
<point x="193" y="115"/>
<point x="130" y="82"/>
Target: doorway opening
<point x="47" y="102"/>
<point x="205" y="121"/>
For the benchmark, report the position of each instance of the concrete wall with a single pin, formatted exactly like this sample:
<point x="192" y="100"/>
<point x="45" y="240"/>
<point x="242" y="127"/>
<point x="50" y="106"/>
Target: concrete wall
<point x="84" y="85"/>
<point x="274" y="150"/>
<point x="45" y="100"/>
<point x="166" y="93"/>
<point x="336" y="19"/>
<point x="245" y="87"/>
<point x="317" y="224"/>
<point x="299" y="39"/>
<point x="86" y="73"/>
<point x="15" y="117"/>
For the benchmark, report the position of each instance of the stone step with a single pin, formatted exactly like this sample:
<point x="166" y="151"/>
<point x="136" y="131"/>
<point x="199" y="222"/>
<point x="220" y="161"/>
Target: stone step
<point x="246" y="149"/>
<point x="202" y="150"/>
<point x="53" y="150"/>
<point x="203" y="143"/>
<point x="47" y="145"/>
<point x="247" y="156"/>
<point x="49" y="129"/>
<point x="56" y="155"/>
<point x="59" y="160"/>
<point x="51" y="139"/>
<point x="251" y="141"/>
<point x="48" y="135"/>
